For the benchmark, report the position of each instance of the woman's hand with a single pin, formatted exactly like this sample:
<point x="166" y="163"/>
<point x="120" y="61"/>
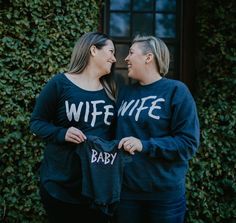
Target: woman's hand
<point x="75" y="135"/>
<point x="131" y="144"/>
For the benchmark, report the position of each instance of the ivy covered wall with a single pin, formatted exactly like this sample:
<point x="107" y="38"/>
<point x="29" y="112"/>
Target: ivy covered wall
<point x="212" y="176"/>
<point x="37" y="37"/>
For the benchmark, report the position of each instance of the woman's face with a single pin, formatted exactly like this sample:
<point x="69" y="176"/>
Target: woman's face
<point x="135" y="61"/>
<point x="106" y="57"/>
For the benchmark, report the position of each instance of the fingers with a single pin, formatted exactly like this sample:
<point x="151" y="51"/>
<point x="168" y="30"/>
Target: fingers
<point x="75" y="135"/>
<point x="122" y="141"/>
<point x="130" y="144"/>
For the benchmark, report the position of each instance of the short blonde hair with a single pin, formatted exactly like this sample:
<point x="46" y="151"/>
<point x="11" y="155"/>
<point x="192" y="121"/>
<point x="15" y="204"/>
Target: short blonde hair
<point x="152" y="44"/>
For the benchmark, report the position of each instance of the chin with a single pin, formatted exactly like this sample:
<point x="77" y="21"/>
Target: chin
<point x="129" y="74"/>
<point x="107" y="71"/>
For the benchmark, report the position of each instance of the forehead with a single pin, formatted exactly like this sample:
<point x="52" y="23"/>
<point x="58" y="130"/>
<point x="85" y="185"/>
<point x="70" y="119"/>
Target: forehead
<point x="109" y="44"/>
<point x="136" y="46"/>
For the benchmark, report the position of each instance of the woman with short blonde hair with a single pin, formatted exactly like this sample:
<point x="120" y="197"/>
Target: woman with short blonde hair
<point x="158" y="125"/>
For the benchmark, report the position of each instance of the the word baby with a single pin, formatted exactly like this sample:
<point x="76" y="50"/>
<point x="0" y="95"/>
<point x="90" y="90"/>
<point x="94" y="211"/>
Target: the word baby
<point x="103" y="157"/>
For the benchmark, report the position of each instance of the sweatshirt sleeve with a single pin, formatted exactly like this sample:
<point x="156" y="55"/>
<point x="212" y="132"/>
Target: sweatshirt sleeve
<point x="183" y="140"/>
<point x="41" y="122"/>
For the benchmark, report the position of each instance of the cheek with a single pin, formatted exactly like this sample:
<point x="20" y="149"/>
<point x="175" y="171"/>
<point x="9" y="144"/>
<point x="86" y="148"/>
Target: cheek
<point x="136" y="63"/>
<point x="107" y="55"/>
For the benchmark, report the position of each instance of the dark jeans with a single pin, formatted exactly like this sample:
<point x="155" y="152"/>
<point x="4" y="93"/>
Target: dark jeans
<point x="149" y="211"/>
<point x="61" y="212"/>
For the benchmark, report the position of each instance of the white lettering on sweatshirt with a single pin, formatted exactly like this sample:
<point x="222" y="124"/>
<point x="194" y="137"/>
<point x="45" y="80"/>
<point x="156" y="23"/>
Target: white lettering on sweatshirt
<point x="140" y="105"/>
<point x="91" y="108"/>
<point x="103" y="157"/>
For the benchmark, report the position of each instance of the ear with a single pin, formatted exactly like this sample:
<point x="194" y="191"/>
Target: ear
<point x="149" y="58"/>
<point x="93" y="50"/>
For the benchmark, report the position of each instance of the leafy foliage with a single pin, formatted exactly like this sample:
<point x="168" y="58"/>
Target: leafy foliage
<point x="36" y="38"/>
<point x="211" y="179"/>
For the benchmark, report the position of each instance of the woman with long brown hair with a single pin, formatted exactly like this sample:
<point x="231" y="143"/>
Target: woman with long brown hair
<point x="72" y="105"/>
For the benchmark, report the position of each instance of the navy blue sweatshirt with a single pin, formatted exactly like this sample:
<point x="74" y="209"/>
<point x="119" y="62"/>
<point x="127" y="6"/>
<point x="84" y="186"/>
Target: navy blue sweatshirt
<point x="163" y="116"/>
<point x="60" y="105"/>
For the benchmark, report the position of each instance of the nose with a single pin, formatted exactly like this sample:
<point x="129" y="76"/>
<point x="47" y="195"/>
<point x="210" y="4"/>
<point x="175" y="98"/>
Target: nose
<point x="114" y="59"/>
<point x="126" y="59"/>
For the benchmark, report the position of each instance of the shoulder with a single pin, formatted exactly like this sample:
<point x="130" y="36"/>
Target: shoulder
<point x="53" y="85"/>
<point x="56" y="80"/>
<point x="178" y="91"/>
<point x="176" y="87"/>
<point x="57" y="77"/>
<point x="175" y="84"/>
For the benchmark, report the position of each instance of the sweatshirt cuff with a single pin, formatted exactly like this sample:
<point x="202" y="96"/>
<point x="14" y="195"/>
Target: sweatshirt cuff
<point x="61" y="135"/>
<point x="146" y="146"/>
